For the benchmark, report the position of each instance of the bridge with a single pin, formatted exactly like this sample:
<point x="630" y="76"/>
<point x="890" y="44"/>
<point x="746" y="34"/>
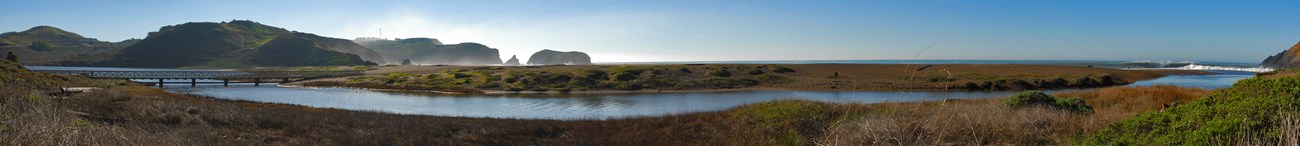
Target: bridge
<point x="225" y="77"/>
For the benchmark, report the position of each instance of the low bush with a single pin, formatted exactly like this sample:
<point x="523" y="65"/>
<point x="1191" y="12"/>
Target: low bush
<point x="791" y="122"/>
<point x="719" y="73"/>
<point x="1037" y="98"/>
<point x="754" y="72"/>
<point x="780" y="69"/>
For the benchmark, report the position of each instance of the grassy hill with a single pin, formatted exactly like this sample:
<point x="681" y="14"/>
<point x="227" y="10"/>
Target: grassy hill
<point x="47" y="45"/>
<point x="231" y="44"/>
<point x="431" y="51"/>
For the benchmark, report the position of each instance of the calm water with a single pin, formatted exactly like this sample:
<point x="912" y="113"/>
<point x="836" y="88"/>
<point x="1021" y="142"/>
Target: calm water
<point x="569" y="106"/>
<point x="591" y="106"/>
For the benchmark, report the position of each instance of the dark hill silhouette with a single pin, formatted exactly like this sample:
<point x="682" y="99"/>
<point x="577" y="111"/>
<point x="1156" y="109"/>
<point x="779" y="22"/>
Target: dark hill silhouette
<point x="231" y="44"/>
<point x="548" y="57"/>
<point x="514" y="60"/>
<point x="431" y="51"/>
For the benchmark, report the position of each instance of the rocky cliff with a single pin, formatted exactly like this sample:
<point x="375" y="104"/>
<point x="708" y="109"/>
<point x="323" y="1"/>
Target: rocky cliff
<point x="1287" y="59"/>
<point x="514" y="60"/>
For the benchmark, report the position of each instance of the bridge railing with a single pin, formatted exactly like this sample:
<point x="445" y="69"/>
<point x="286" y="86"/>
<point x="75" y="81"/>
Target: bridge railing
<point x="203" y="74"/>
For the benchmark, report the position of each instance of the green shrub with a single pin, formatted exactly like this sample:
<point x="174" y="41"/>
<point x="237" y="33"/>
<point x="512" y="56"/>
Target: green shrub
<point x="627" y="86"/>
<point x="590" y="74"/>
<point x="1037" y="98"/>
<point x="1028" y="98"/>
<point x="780" y="69"/>
<point x="622" y="76"/>
<point x="397" y="76"/>
<point x="455" y="75"/>
<point x="684" y="70"/>
<point x="719" y="73"/>
<point x="1073" y="104"/>
<point x="79" y="123"/>
<point x="754" y="72"/>
<point x="789" y="122"/>
<point x="770" y="78"/>
<point x="1250" y="105"/>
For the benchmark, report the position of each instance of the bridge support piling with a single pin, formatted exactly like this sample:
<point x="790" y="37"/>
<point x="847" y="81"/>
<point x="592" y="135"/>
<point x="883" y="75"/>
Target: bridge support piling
<point x="194" y="82"/>
<point x="257" y="82"/>
<point x="225" y="82"/>
<point x="284" y="80"/>
<point x="160" y="83"/>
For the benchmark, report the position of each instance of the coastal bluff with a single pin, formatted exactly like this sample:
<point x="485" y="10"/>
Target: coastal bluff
<point x="1287" y="59"/>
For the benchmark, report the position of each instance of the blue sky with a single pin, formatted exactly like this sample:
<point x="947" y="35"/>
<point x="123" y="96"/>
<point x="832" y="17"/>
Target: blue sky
<point x="618" y="30"/>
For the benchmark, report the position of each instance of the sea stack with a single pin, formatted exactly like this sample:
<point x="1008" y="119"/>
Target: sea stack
<point x="513" y="60"/>
<point x="1287" y="59"/>
<point x="549" y="57"/>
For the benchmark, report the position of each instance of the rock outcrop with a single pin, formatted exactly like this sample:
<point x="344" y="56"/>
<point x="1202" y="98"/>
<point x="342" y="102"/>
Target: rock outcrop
<point x="548" y="57"/>
<point x="1287" y="59"/>
<point x="514" y="60"/>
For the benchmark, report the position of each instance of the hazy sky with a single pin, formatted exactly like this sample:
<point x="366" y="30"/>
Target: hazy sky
<point x="699" y="30"/>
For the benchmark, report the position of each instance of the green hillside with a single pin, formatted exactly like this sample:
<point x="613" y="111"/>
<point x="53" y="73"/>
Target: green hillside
<point x="47" y="45"/>
<point x="227" y="45"/>
<point x="431" y="51"/>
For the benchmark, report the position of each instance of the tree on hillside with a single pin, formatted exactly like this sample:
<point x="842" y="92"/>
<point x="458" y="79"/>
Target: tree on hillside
<point x="11" y="57"/>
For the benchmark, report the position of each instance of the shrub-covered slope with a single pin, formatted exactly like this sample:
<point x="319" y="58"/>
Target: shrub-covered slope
<point x="226" y="44"/>
<point x="1251" y="107"/>
<point x="47" y="45"/>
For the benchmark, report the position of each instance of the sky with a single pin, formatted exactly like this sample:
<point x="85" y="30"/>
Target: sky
<point x="708" y="30"/>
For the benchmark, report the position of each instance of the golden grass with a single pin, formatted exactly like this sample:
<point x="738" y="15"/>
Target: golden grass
<point x="986" y="121"/>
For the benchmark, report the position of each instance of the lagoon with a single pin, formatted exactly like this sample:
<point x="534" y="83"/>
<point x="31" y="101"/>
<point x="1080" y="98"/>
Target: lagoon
<point x="596" y="106"/>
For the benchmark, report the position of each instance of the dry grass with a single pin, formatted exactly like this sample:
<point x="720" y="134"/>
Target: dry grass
<point x="986" y="122"/>
<point x="1288" y="133"/>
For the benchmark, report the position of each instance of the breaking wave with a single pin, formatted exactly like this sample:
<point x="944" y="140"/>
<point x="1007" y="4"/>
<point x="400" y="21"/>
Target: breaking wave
<point x="1223" y="68"/>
